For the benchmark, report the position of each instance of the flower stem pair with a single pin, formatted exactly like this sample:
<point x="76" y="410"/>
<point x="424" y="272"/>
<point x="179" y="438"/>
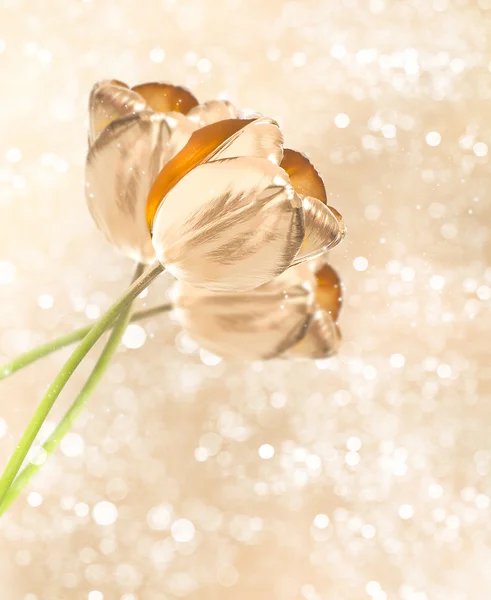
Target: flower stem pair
<point x="31" y="356"/>
<point x="120" y="311"/>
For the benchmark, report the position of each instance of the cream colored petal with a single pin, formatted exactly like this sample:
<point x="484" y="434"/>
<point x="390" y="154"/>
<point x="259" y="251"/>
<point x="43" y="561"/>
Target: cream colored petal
<point x="211" y="112"/>
<point x="165" y="97"/>
<point x="258" y="324"/>
<point x="324" y="229"/>
<point x="321" y="340"/>
<point x="121" y="167"/>
<point x="303" y="175"/>
<point x="111" y="100"/>
<point x="181" y="129"/>
<point x="261" y="138"/>
<point x="229" y="225"/>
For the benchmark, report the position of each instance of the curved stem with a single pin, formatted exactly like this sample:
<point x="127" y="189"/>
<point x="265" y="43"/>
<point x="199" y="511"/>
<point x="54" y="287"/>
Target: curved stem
<point x="24" y="360"/>
<point x="73" y="412"/>
<point x="66" y="372"/>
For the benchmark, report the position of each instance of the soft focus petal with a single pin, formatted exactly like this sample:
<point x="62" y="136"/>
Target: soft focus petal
<point x="322" y="337"/>
<point x="111" y="100"/>
<point x="229" y="225"/>
<point x="324" y="229"/>
<point x="121" y="166"/>
<point x="165" y="97"/>
<point x="211" y="112"/>
<point x="258" y="324"/>
<point x="328" y="293"/>
<point x="303" y="176"/>
<point x="321" y="340"/>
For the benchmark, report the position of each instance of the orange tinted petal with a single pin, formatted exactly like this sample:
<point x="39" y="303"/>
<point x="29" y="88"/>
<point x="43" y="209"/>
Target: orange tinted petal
<point x="304" y="177"/>
<point x="201" y="144"/>
<point x="328" y="293"/>
<point x="164" y="97"/>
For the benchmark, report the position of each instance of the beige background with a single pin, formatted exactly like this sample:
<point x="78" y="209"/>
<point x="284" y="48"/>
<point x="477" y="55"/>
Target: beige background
<point x="409" y="512"/>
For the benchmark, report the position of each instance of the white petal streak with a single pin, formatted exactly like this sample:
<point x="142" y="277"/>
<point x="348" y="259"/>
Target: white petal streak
<point x="261" y="138"/>
<point x="324" y="229"/>
<point x="211" y="112"/>
<point x="229" y="225"/>
<point x="121" y="166"/>
<point x="110" y="101"/>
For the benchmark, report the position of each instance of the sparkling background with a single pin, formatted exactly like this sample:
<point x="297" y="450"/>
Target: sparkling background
<point x="366" y="476"/>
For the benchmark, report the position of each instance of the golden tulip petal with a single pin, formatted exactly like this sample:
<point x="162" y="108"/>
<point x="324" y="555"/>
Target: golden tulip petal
<point x="328" y="293"/>
<point x="259" y="324"/>
<point x="321" y="340"/>
<point x="111" y="100"/>
<point x="324" y="229"/>
<point x="121" y="166"/>
<point x="165" y="97"/>
<point x="229" y="225"/>
<point x="303" y="175"/>
<point x="211" y="112"/>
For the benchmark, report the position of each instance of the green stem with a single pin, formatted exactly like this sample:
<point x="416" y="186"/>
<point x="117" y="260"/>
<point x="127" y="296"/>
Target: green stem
<point x="24" y="360"/>
<point x="73" y="412"/>
<point x="66" y="372"/>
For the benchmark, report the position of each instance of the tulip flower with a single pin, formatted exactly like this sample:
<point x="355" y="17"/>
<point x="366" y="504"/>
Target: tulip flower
<point x="132" y="134"/>
<point x="295" y="315"/>
<point x="223" y="207"/>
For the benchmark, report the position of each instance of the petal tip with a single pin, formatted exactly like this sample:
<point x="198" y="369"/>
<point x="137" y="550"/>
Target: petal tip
<point x="342" y="232"/>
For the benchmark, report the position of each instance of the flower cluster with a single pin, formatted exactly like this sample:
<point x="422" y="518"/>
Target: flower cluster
<point x="241" y="222"/>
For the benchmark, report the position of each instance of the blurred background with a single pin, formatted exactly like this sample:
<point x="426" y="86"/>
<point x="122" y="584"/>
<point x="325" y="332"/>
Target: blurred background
<point x="365" y="476"/>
